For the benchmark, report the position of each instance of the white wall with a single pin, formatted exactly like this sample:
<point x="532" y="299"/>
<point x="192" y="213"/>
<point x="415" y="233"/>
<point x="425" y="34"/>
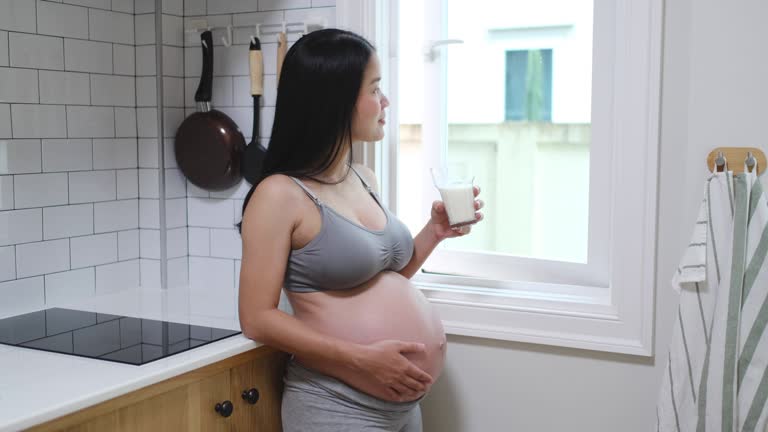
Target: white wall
<point x="69" y="207"/>
<point x="714" y="93"/>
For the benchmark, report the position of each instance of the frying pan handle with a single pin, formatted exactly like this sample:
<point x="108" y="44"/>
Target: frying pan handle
<point x="257" y="68"/>
<point x="282" y="47"/>
<point x="203" y="93"/>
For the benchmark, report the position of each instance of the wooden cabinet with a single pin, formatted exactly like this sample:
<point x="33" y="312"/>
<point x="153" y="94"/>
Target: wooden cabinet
<point x="266" y="378"/>
<point x="187" y="402"/>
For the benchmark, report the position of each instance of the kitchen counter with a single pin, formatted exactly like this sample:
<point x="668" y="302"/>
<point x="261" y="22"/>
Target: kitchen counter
<point x="37" y="386"/>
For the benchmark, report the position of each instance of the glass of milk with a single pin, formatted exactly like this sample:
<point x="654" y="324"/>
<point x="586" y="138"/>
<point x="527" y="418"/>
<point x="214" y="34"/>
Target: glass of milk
<point x="458" y="196"/>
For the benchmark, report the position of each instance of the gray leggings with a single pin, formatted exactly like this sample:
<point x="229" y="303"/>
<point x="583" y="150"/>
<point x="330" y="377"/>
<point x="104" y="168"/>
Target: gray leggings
<point x="313" y="402"/>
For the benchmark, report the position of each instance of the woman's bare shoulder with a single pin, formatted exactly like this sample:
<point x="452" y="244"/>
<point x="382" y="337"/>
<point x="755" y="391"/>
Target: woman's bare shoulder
<point x="368" y="175"/>
<point x="277" y="193"/>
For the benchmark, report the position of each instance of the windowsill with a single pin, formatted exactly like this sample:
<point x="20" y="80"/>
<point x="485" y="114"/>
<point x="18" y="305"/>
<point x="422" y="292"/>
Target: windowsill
<point x="499" y="295"/>
<point x="547" y="314"/>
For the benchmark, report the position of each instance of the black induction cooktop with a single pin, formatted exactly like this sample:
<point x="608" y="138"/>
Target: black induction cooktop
<point x="101" y="336"/>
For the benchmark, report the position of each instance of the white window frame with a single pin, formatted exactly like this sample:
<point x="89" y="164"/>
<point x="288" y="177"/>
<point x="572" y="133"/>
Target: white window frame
<point x="616" y="316"/>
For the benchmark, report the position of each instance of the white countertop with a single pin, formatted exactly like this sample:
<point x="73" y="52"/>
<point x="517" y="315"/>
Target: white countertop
<point x="38" y="386"/>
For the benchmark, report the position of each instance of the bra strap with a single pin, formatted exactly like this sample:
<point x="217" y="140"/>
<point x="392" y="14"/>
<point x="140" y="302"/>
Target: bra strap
<point x="362" y="179"/>
<point x="306" y="190"/>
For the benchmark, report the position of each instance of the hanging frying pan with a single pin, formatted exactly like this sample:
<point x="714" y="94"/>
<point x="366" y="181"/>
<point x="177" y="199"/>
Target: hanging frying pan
<point x="209" y="146"/>
<point x="254" y="153"/>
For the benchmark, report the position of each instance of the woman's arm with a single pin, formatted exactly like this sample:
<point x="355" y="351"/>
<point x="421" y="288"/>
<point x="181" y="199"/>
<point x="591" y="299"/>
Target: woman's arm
<point x="436" y="230"/>
<point x="266" y="235"/>
<point x="423" y="244"/>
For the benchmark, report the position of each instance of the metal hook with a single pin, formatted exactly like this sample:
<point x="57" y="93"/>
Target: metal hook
<point x="227" y="39"/>
<point x="720" y="162"/>
<point x="751" y="162"/>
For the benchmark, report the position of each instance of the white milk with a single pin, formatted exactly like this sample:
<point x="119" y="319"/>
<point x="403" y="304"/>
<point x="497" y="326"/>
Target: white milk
<point x="459" y="202"/>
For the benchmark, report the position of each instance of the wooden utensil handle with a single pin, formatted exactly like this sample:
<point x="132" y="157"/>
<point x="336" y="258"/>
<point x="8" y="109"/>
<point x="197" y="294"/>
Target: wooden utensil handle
<point x="282" y="48"/>
<point x="257" y="68"/>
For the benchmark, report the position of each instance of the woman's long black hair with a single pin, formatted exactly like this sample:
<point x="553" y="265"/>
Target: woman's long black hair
<point x="319" y="83"/>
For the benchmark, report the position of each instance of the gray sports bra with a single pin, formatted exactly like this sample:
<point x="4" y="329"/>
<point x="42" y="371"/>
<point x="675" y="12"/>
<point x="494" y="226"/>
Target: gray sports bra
<point x="345" y="254"/>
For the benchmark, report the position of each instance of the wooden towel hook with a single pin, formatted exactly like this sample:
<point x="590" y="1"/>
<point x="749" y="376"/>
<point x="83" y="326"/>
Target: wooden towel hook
<point x="736" y="158"/>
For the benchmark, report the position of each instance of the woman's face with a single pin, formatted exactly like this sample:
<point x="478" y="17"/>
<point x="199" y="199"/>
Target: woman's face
<point x="368" y="119"/>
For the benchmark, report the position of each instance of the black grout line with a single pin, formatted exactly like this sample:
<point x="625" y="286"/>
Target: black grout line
<point x="42" y="224"/>
<point x="81" y="236"/>
<point x="39" y="93"/>
<point x="36" y="18"/>
<point x="84" y="7"/>
<point x="79" y="106"/>
<point x="63" y="38"/>
<point x="66" y="122"/>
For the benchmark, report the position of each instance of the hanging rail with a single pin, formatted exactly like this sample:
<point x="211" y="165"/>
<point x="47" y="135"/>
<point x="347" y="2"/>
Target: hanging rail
<point x="301" y="27"/>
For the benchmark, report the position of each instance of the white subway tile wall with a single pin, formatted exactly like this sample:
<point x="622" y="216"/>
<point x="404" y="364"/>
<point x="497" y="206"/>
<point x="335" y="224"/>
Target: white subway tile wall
<point x="19" y="85"/>
<point x="79" y="128"/>
<point x="67" y="221"/>
<point x="5" y="121"/>
<point x="67" y="155"/>
<point x="149" y="214"/>
<point x="213" y="241"/>
<point x="172" y="42"/>
<point x="178" y="272"/>
<point x="69" y="186"/>
<point x="128" y="245"/>
<point x="3" y="48"/>
<point x="68" y="285"/>
<point x="147" y="175"/>
<point x="35" y="51"/>
<point x="127" y="184"/>
<point x="64" y="88"/>
<point x="6" y="192"/>
<point x="24" y="293"/>
<point x="7" y="263"/>
<point x="124" y="57"/>
<point x="118" y="276"/>
<point x="88" y="251"/>
<point x="58" y="19"/>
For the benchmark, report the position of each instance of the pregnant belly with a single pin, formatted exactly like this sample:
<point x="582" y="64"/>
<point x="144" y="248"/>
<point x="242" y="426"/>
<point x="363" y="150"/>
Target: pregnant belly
<point x="386" y="307"/>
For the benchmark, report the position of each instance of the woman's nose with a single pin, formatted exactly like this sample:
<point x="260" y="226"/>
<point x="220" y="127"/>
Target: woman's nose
<point x="384" y="101"/>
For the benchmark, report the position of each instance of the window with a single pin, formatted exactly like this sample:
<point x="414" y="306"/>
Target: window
<point x="528" y="85"/>
<point x="484" y="106"/>
<point x="566" y="158"/>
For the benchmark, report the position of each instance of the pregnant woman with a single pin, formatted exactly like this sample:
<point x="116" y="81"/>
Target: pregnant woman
<point x="366" y="345"/>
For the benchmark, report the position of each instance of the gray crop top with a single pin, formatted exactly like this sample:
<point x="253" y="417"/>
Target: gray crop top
<point x="345" y="254"/>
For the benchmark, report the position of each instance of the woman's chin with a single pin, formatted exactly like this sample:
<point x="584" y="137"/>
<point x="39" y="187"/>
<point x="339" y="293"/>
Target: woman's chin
<point x="379" y="135"/>
<point x="372" y="137"/>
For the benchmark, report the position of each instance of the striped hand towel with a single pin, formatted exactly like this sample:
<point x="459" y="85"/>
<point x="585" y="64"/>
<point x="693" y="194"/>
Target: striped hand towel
<point x="716" y="377"/>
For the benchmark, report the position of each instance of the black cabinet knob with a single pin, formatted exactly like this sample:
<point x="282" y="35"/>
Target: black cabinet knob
<point x="251" y="396"/>
<point x="224" y="409"/>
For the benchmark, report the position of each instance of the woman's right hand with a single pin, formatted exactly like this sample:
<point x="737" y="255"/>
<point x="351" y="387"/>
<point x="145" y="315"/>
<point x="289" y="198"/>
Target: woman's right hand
<point x="398" y="376"/>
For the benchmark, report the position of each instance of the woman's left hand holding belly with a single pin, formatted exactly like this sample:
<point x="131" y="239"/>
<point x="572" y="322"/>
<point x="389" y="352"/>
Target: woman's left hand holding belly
<point x="385" y="363"/>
